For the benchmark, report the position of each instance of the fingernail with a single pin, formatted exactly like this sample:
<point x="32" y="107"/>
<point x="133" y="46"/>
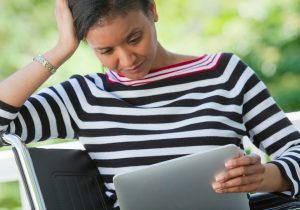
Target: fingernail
<point x="219" y="178"/>
<point x="228" y="165"/>
<point x="218" y="191"/>
<point x="216" y="186"/>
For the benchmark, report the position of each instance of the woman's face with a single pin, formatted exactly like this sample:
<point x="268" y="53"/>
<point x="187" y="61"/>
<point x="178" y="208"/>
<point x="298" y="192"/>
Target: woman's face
<point x="126" y="45"/>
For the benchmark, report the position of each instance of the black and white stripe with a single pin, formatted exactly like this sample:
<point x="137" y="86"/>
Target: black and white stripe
<point x="125" y="127"/>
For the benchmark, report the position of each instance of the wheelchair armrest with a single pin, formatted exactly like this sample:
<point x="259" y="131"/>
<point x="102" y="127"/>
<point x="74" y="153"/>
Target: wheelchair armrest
<point x="261" y="201"/>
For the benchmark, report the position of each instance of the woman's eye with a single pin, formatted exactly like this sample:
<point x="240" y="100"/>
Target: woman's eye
<point x="135" y="40"/>
<point x="107" y="52"/>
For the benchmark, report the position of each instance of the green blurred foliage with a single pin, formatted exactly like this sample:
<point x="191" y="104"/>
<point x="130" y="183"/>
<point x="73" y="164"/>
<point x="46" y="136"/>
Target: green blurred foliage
<point x="264" y="34"/>
<point x="10" y="196"/>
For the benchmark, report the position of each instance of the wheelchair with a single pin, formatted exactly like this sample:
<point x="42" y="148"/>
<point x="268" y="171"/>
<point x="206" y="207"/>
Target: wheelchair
<point x="68" y="179"/>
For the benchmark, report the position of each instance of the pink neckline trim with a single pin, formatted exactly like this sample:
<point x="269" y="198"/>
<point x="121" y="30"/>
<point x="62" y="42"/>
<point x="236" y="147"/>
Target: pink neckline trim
<point x="208" y="62"/>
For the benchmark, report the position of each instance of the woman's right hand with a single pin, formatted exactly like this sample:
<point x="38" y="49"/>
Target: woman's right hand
<point x="66" y="29"/>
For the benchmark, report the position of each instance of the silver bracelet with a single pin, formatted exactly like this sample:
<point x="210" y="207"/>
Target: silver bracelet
<point x="45" y="63"/>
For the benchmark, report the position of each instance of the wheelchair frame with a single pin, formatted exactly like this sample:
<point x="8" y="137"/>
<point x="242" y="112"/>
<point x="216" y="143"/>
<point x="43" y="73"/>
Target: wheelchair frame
<point x="26" y="169"/>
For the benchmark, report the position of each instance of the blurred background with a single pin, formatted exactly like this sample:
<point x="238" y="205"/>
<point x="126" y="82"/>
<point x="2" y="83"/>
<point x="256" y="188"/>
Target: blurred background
<point x="264" y="34"/>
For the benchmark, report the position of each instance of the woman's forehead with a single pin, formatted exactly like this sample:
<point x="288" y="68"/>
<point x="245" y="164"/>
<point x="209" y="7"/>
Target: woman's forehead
<point x="116" y="30"/>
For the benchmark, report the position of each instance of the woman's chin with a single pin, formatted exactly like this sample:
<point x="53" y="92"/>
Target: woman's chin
<point x="136" y="76"/>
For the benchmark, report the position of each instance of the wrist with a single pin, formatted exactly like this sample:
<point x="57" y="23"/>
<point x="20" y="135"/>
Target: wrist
<point x="59" y="54"/>
<point x="66" y="50"/>
<point x="274" y="180"/>
<point x="70" y="46"/>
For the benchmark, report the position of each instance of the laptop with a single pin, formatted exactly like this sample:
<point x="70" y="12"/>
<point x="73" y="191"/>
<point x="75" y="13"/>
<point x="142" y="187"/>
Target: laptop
<point x="183" y="183"/>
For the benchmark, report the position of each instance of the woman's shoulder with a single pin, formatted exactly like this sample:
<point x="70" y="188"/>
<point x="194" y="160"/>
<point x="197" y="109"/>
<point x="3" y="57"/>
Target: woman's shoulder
<point x="228" y="60"/>
<point x="225" y="57"/>
<point x="184" y="57"/>
<point x="92" y="79"/>
<point x="223" y="65"/>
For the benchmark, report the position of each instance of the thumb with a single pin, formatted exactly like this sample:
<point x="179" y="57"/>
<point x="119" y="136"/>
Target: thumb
<point x="241" y="154"/>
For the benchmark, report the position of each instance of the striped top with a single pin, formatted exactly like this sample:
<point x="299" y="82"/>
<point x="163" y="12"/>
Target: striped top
<point x="174" y="111"/>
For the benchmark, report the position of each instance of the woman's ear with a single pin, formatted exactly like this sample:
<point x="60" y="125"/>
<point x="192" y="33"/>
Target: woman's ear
<point x="153" y="11"/>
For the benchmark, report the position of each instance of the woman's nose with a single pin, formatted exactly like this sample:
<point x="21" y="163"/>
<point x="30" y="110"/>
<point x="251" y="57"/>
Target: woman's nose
<point x="127" y="58"/>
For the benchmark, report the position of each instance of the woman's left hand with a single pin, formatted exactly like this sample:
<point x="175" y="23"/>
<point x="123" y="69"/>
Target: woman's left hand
<point x="245" y="174"/>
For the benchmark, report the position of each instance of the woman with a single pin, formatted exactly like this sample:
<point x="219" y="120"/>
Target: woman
<point x="152" y="105"/>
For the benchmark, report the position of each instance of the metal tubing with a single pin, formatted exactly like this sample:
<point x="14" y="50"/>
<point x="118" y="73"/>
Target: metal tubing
<point x="27" y="165"/>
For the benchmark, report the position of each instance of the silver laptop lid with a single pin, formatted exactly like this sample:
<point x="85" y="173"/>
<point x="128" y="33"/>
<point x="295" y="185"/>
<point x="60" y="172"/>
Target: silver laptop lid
<point x="183" y="183"/>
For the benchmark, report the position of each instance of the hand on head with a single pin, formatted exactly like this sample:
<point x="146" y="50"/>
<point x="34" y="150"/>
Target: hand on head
<point x="66" y="29"/>
<point x="244" y="174"/>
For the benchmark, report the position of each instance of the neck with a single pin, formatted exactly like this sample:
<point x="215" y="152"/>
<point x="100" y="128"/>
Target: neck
<point x="163" y="58"/>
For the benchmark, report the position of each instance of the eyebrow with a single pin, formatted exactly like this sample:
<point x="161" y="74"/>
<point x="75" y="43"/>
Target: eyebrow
<point x="131" y="33"/>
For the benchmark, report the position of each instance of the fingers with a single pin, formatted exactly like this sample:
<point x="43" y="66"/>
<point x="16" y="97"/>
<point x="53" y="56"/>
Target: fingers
<point x="244" y="188"/>
<point x="240" y="171"/>
<point x="66" y="29"/>
<point x="244" y="183"/>
<point x="241" y="154"/>
<point x="244" y="161"/>
<point x="61" y="6"/>
<point x="246" y="173"/>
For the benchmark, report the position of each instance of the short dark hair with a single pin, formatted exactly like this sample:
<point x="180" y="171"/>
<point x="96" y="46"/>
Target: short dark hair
<point x="90" y="13"/>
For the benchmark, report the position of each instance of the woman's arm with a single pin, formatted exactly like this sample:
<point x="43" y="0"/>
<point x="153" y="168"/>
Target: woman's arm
<point x="43" y="116"/>
<point x="16" y="89"/>
<point x="271" y="131"/>
<point x="273" y="180"/>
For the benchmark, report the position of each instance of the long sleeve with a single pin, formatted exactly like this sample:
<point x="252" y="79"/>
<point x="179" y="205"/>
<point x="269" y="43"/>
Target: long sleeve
<point x="43" y="116"/>
<point x="271" y="131"/>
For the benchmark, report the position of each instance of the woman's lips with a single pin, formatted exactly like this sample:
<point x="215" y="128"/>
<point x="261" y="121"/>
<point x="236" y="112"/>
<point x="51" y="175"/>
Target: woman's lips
<point x="135" y="70"/>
